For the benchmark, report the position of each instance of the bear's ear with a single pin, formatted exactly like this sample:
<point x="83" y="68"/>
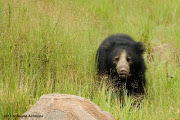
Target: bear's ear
<point x="108" y="46"/>
<point x="140" y="47"/>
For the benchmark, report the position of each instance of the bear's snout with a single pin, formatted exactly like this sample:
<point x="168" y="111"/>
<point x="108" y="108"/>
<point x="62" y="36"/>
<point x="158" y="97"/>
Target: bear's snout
<point x="123" y="71"/>
<point x="123" y="66"/>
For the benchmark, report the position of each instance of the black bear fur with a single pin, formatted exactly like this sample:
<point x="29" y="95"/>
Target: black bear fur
<point x="135" y="84"/>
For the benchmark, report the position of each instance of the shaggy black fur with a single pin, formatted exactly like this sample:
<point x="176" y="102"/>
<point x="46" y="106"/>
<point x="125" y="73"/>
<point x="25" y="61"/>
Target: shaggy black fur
<point x="136" y="82"/>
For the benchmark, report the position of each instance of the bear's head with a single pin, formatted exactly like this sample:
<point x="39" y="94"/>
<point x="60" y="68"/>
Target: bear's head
<point x="125" y="58"/>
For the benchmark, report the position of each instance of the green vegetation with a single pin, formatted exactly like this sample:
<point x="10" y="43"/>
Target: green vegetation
<point x="49" y="46"/>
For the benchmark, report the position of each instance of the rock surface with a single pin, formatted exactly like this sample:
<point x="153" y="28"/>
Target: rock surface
<point x="161" y="51"/>
<point x="65" y="107"/>
<point x="166" y="53"/>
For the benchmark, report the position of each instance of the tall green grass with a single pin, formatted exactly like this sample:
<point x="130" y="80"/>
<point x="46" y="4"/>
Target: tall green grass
<point x="49" y="46"/>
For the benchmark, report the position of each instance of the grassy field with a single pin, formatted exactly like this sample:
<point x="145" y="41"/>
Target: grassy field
<point x="49" y="46"/>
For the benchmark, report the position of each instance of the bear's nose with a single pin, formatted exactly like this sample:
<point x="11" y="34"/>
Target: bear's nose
<point x="123" y="72"/>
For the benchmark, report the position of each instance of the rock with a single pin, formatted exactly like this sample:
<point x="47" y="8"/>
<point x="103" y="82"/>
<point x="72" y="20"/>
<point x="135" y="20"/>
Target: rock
<point x="65" y="107"/>
<point x="161" y="51"/>
<point x="166" y="53"/>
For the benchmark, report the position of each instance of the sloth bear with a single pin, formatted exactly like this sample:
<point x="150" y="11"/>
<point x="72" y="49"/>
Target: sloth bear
<point x="120" y="58"/>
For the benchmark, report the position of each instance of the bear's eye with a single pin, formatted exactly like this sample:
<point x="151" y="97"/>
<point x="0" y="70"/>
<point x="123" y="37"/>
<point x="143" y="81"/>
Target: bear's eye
<point x="116" y="59"/>
<point x="129" y="59"/>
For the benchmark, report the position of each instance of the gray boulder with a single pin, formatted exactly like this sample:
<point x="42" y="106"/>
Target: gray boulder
<point x="65" y="107"/>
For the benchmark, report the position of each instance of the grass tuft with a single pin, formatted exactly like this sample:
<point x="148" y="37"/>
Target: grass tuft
<point x="49" y="46"/>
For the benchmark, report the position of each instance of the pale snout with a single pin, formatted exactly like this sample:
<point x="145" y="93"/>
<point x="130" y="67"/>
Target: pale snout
<point x="123" y="67"/>
<point x="123" y="71"/>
